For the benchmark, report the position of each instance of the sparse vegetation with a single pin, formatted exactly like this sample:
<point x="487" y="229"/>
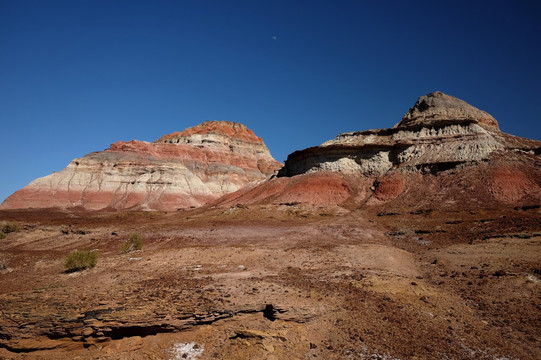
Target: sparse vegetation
<point x="7" y="227"/>
<point x="80" y="260"/>
<point x="135" y="242"/>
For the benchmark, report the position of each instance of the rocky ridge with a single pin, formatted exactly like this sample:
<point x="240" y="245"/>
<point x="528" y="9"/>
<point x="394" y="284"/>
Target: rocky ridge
<point x="440" y="134"/>
<point x="443" y="151"/>
<point x="181" y="170"/>
<point x="437" y="108"/>
<point x="419" y="241"/>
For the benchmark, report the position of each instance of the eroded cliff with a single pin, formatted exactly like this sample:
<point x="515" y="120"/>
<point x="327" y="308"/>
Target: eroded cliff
<point x="443" y="150"/>
<point x="181" y="170"/>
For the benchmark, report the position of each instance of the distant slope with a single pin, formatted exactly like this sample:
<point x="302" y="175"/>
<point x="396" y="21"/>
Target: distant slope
<point x="444" y="152"/>
<point x="181" y="170"/>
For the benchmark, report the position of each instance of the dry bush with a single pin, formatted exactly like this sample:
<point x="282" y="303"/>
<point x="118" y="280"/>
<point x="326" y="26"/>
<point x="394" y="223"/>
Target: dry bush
<point x="80" y="260"/>
<point x="135" y="242"/>
<point x="7" y="227"/>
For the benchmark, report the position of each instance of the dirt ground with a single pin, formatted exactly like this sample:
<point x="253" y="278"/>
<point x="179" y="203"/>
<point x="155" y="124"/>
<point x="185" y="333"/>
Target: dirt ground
<point x="275" y="282"/>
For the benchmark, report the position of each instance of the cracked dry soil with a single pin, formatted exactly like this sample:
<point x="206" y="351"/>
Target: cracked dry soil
<point x="275" y="282"/>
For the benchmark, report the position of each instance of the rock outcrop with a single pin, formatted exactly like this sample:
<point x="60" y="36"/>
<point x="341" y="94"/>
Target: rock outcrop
<point x="437" y="108"/>
<point x="439" y="135"/>
<point x="443" y="151"/>
<point x="181" y="170"/>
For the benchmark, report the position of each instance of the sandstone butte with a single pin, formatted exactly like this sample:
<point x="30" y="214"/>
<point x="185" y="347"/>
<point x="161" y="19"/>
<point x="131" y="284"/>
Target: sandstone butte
<point x="443" y="153"/>
<point x="181" y="170"/>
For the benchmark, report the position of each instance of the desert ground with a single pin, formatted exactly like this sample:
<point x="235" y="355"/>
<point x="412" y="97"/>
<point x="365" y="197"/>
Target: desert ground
<point x="287" y="281"/>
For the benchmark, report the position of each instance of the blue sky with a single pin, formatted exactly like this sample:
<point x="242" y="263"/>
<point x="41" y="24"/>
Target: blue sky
<point x="76" y="76"/>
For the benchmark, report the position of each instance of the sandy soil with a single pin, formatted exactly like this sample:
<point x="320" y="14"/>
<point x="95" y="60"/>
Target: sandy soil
<point x="275" y="282"/>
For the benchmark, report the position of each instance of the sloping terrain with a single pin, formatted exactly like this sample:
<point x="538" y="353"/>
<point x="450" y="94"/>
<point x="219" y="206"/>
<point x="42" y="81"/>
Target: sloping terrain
<point x="422" y="241"/>
<point x="443" y="151"/>
<point x="275" y="282"/>
<point x="181" y="170"/>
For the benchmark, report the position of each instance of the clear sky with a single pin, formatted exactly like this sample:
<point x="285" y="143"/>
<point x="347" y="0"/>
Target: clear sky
<point x="76" y="76"/>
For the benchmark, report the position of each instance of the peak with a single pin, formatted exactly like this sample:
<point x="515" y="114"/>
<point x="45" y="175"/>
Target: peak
<point x="217" y="125"/>
<point x="224" y="128"/>
<point x="438" y="107"/>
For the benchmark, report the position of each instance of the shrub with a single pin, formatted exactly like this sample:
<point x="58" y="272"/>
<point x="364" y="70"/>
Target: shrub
<point x="7" y="226"/>
<point x="2" y="235"/>
<point x="80" y="260"/>
<point x="135" y="242"/>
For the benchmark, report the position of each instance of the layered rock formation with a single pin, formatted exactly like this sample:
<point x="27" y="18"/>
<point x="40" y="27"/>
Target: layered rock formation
<point x="439" y="135"/>
<point x="180" y="170"/>
<point x="443" y="151"/>
<point x="438" y="108"/>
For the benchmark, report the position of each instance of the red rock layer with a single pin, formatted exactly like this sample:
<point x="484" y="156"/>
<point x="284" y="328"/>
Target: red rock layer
<point x="181" y="170"/>
<point x="510" y="184"/>
<point x="444" y="152"/>
<point x="320" y="189"/>
<point x="503" y="180"/>
<point x="389" y="187"/>
<point x="225" y="128"/>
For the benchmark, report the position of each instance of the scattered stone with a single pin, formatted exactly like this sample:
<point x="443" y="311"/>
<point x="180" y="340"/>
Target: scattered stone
<point x="189" y="351"/>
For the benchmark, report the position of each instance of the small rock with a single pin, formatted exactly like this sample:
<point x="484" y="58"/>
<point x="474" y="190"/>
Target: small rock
<point x="500" y="273"/>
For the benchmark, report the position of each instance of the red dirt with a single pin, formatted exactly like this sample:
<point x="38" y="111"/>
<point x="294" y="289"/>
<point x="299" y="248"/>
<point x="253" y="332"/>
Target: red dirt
<point x="316" y="189"/>
<point x="389" y="187"/>
<point x="276" y="282"/>
<point x="511" y="184"/>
